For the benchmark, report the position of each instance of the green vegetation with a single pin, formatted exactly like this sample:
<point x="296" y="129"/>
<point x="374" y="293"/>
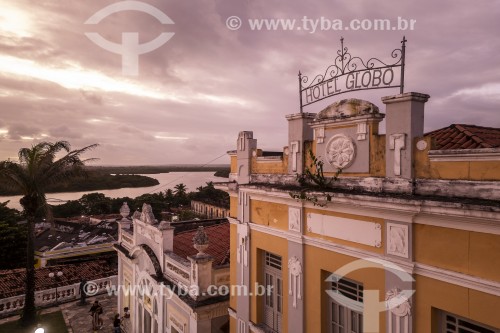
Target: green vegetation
<point x="94" y="180"/>
<point x="152" y="169"/>
<point x="167" y="201"/>
<point x="223" y="173"/>
<point x="37" y="169"/>
<point x="312" y="180"/>
<point x="12" y="238"/>
<point x="51" y="322"/>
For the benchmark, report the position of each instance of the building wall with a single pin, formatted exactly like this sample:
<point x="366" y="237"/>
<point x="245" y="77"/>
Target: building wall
<point x="436" y="252"/>
<point x="468" y="252"/>
<point x="210" y="211"/>
<point x="471" y="168"/>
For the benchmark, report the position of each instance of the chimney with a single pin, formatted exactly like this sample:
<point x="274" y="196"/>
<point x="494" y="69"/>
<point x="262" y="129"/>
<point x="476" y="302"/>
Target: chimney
<point x="404" y="122"/>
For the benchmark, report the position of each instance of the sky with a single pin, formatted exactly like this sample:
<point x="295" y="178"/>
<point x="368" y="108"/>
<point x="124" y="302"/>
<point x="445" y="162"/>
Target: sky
<point x="192" y="95"/>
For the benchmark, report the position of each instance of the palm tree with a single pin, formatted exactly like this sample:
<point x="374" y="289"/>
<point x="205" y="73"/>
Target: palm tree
<point x="38" y="167"/>
<point x="180" y="190"/>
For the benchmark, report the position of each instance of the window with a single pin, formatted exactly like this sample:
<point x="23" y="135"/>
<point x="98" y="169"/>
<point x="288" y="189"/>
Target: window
<point x="454" y="324"/>
<point x="344" y="319"/>
<point x="273" y="300"/>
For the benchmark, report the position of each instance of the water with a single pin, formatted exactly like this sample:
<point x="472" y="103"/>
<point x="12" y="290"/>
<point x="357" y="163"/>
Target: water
<point x="192" y="180"/>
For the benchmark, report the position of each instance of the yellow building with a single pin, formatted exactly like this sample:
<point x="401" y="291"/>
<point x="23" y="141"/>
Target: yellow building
<point x="406" y="240"/>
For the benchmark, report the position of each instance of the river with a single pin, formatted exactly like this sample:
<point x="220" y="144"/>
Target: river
<point x="192" y="180"/>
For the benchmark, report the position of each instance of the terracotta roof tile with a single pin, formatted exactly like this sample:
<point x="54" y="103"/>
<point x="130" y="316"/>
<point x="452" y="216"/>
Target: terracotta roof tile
<point x="460" y="136"/>
<point x="12" y="280"/>
<point x="218" y="236"/>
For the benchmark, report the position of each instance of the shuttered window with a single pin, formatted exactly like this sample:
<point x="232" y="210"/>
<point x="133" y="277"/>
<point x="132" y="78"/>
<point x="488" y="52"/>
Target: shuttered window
<point x="273" y="300"/>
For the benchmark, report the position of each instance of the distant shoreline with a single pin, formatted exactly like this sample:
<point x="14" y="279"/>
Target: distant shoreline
<point x="154" y="169"/>
<point x="119" y="177"/>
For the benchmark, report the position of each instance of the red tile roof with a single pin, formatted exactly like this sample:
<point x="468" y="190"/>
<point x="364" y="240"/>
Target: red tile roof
<point x="459" y="136"/>
<point x="218" y="238"/>
<point x="12" y="280"/>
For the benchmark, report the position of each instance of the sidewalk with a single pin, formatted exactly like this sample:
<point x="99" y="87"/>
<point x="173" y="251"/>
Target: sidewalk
<point x="78" y="319"/>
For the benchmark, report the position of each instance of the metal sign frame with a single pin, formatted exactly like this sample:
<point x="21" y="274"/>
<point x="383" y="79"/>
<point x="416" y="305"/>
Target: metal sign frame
<point x="347" y="65"/>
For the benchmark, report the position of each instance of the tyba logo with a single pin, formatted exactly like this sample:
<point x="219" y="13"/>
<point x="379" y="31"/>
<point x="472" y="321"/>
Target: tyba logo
<point x="130" y="49"/>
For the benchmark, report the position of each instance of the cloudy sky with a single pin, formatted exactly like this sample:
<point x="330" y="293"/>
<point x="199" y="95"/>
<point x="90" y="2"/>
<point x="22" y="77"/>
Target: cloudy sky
<point x="194" y="94"/>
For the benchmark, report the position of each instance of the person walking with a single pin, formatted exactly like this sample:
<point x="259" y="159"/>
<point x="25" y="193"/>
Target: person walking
<point x="96" y="312"/>
<point x="117" y="324"/>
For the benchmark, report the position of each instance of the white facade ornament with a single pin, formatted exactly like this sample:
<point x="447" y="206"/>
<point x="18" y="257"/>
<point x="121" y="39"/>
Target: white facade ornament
<point x="124" y="211"/>
<point x="340" y="151"/>
<point x="147" y="214"/>
<point x="362" y="131"/>
<point x="398" y="304"/>
<point x="397" y="143"/>
<point x="295" y="151"/>
<point x="397" y="239"/>
<point x="241" y="251"/>
<point x="399" y="311"/>
<point x="295" y="271"/>
<point x="422" y="145"/>
<point x="294" y="219"/>
<point x="319" y="134"/>
<point x="200" y="241"/>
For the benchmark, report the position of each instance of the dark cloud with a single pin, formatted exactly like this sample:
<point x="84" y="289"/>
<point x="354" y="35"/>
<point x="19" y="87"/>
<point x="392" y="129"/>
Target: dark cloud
<point x="194" y="94"/>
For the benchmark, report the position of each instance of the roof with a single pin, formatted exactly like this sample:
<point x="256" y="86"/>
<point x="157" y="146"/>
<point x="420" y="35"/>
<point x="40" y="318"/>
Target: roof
<point x="218" y="238"/>
<point x="69" y="235"/>
<point x="12" y="280"/>
<point x="460" y="136"/>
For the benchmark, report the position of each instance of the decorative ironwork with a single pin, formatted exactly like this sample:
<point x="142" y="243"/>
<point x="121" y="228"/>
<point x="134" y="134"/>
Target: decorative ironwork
<point x="372" y="75"/>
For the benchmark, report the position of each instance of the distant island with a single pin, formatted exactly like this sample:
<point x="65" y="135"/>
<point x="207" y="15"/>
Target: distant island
<point x="95" y="180"/>
<point x="153" y="169"/>
<point x="116" y="177"/>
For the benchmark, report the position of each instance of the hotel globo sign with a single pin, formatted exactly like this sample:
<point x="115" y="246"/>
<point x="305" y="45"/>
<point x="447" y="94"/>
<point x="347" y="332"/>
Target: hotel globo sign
<point x="350" y="73"/>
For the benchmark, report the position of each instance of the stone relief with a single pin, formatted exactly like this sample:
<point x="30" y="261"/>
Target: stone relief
<point x="294" y="220"/>
<point x="397" y="143"/>
<point x="147" y="214"/>
<point x="295" y="270"/>
<point x="397" y="303"/>
<point x="397" y="239"/>
<point x="340" y="151"/>
<point x="362" y="131"/>
<point x="319" y="134"/>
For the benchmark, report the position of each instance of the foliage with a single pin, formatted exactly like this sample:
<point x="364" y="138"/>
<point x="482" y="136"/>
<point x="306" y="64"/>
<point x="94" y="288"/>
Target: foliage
<point x="94" y="180"/>
<point x="313" y="179"/>
<point x="95" y="204"/>
<point x="13" y="239"/>
<point x="180" y="190"/>
<point x="223" y="173"/>
<point x="37" y="169"/>
<point x="210" y="195"/>
<point x="9" y="215"/>
<point x="51" y="322"/>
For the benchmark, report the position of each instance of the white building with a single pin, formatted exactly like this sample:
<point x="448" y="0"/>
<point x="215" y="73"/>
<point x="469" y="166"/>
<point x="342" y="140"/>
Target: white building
<point x="168" y="285"/>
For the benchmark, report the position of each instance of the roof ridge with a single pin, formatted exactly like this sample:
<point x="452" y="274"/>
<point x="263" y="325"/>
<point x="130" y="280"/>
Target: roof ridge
<point x="205" y="227"/>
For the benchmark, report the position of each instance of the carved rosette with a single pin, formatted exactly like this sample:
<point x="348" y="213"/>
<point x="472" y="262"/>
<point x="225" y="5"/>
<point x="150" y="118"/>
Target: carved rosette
<point x="340" y="151"/>
<point x="397" y="303"/>
<point x="295" y="271"/>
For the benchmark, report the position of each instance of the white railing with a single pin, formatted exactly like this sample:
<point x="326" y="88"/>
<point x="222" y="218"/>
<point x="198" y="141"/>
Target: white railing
<point x="127" y="239"/>
<point x="47" y="297"/>
<point x="178" y="269"/>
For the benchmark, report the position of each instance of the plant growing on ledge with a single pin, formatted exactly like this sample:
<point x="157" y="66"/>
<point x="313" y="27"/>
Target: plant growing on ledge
<point x="313" y="179"/>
